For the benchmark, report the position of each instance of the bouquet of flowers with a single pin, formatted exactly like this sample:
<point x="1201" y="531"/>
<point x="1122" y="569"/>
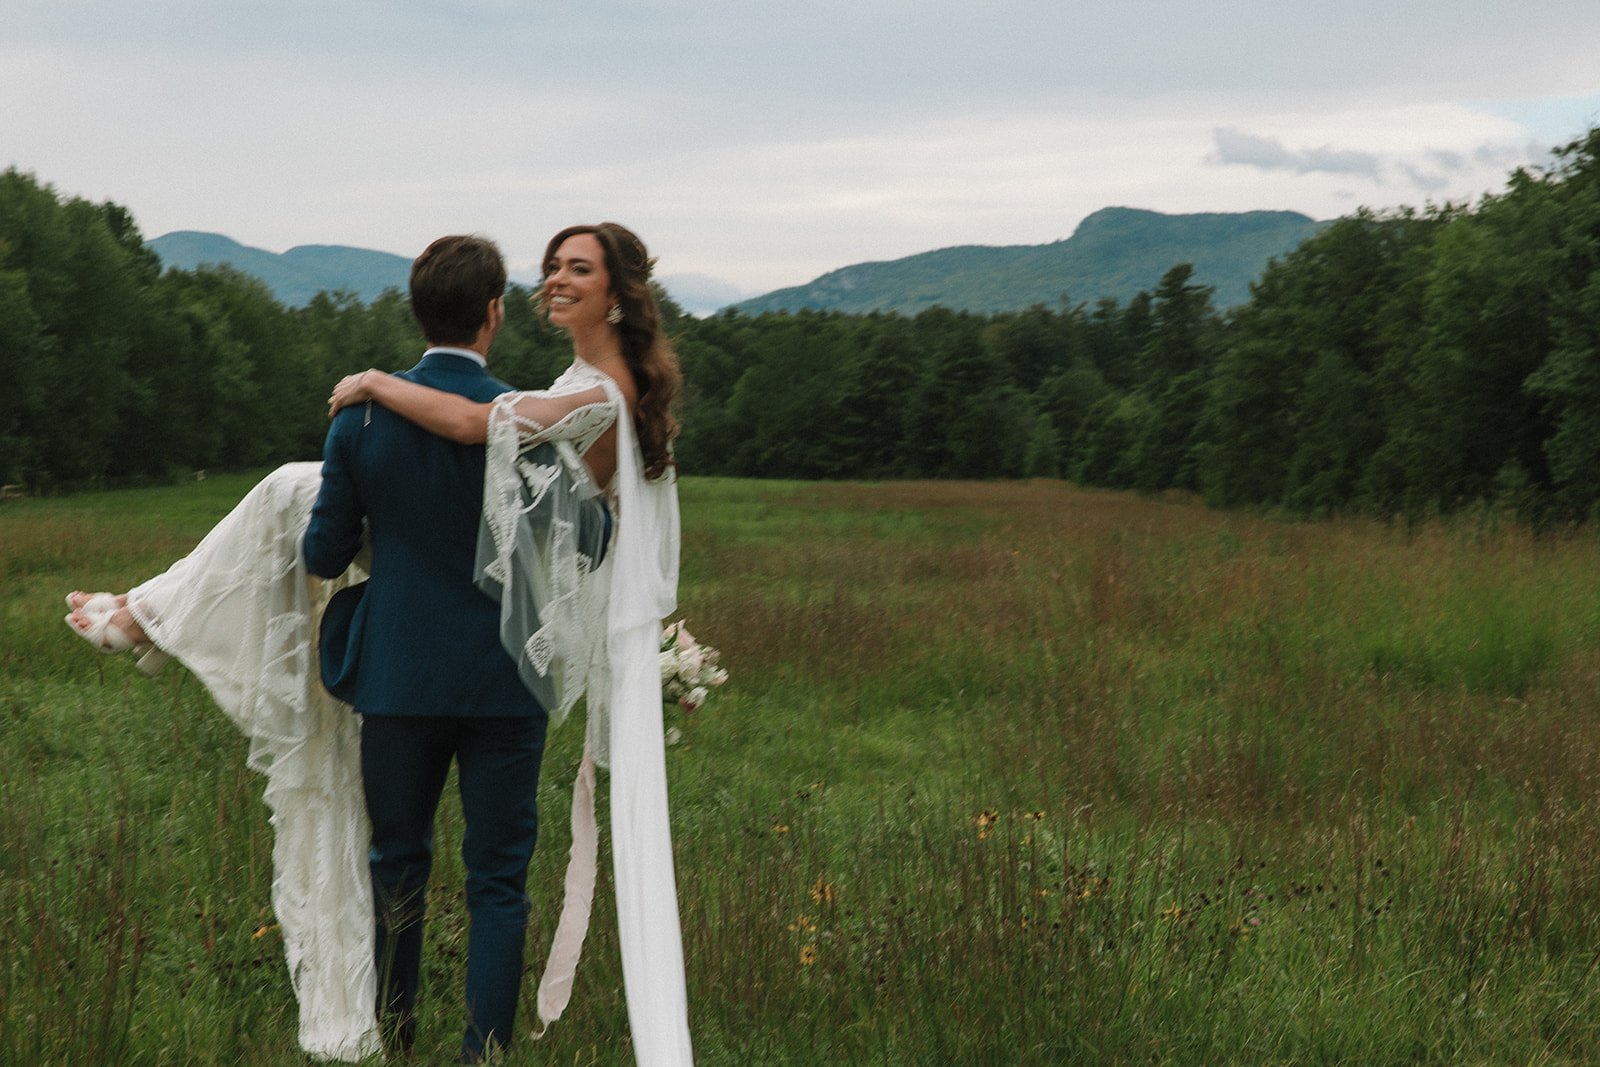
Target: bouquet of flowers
<point x="689" y="671"/>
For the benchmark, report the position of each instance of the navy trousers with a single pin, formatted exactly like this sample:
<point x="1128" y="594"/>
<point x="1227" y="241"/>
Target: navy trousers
<point x="404" y="763"/>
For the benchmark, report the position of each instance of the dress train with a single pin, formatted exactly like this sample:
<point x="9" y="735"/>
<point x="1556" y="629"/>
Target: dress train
<point x="241" y="612"/>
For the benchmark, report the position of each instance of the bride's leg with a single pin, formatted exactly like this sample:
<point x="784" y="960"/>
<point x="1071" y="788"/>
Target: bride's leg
<point x="208" y="608"/>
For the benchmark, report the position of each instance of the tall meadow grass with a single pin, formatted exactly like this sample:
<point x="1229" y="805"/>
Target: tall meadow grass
<point x="1008" y="773"/>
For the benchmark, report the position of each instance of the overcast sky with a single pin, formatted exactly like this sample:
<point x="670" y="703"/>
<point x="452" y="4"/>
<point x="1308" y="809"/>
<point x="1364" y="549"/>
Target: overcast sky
<point x="763" y="142"/>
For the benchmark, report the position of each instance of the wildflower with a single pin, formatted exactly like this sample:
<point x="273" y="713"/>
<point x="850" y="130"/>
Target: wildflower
<point x="808" y="955"/>
<point x="779" y="827"/>
<point x="1173" y="913"/>
<point x="263" y="931"/>
<point x="985" y="823"/>
<point x="802" y="923"/>
<point x="821" y="891"/>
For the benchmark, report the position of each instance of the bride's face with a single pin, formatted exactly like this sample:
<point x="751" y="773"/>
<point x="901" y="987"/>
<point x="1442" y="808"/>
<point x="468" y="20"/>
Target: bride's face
<point x="577" y="288"/>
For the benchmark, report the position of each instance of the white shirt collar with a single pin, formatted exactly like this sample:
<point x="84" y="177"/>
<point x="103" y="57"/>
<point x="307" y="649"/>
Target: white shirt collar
<point x="451" y="350"/>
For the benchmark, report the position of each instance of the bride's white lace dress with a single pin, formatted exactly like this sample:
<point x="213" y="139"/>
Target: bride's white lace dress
<point x="241" y="612"/>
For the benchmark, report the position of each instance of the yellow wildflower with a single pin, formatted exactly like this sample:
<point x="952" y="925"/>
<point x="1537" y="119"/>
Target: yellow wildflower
<point x="808" y="955"/>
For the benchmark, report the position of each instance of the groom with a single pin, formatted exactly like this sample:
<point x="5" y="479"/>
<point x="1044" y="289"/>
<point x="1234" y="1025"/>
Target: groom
<point x="431" y="681"/>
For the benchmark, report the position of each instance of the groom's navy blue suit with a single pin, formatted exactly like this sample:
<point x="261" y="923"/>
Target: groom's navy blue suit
<point x="432" y="683"/>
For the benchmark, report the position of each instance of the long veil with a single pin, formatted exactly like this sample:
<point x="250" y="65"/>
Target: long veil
<point x="579" y="628"/>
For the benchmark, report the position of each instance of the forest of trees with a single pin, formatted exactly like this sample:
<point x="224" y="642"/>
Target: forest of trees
<point x="1403" y="363"/>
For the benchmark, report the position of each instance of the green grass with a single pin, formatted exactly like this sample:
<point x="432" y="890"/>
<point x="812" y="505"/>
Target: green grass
<point x="1005" y="773"/>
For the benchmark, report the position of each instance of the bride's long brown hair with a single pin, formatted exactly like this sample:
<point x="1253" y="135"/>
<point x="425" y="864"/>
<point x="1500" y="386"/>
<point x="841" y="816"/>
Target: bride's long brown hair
<point x="649" y="354"/>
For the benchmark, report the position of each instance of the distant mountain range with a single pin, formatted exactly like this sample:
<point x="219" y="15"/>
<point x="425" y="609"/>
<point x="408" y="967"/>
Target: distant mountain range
<point x="294" y="276"/>
<point x="1113" y="253"/>
<point x="301" y="273"/>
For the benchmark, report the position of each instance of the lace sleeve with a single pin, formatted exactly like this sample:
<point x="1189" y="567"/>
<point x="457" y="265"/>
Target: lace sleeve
<point x="579" y="417"/>
<point x="542" y="535"/>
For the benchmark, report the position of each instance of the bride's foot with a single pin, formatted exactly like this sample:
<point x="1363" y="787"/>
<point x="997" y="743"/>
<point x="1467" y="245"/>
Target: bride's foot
<point x="107" y="626"/>
<point x="106" y="623"/>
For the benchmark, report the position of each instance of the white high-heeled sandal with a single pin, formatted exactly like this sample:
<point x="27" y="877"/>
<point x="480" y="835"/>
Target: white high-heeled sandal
<point x="109" y="638"/>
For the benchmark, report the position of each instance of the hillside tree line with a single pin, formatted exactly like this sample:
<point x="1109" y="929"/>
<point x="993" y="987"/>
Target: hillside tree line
<point x="1401" y="363"/>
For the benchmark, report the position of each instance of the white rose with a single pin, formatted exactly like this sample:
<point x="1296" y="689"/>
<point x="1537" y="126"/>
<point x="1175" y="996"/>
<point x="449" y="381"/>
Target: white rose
<point x="696" y="697"/>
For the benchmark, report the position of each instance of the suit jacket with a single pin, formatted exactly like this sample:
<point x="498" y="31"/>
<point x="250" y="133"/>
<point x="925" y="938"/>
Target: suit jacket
<point x="424" y="638"/>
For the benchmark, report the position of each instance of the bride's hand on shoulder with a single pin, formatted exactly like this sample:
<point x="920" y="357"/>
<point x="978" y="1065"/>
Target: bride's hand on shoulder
<point x="353" y="389"/>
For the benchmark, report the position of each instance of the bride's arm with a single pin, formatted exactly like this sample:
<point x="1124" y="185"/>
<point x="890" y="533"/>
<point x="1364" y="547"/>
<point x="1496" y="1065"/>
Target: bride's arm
<point x="446" y="414"/>
<point x="545" y="410"/>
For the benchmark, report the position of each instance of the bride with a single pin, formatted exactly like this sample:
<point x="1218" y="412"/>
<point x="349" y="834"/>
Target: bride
<point x="242" y="612"/>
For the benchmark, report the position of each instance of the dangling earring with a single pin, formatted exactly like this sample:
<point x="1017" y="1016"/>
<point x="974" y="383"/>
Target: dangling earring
<point x="614" y="315"/>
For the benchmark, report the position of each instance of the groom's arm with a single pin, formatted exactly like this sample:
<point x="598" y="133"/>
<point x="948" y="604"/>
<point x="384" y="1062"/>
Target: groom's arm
<point x="335" y="533"/>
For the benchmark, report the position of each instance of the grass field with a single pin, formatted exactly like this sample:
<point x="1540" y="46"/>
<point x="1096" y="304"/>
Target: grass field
<point x="1007" y="773"/>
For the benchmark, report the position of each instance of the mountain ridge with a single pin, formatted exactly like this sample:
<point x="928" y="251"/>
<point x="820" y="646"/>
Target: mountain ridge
<point x="1114" y="253"/>
<point x="297" y="275"/>
<point x="294" y="276"/>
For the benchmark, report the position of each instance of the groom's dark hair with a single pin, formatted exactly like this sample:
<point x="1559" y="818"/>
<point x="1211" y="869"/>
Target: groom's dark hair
<point x="452" y="283"/>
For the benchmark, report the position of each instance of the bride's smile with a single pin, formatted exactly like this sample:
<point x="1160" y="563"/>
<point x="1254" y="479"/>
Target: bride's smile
<point x="577" y="288"/>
